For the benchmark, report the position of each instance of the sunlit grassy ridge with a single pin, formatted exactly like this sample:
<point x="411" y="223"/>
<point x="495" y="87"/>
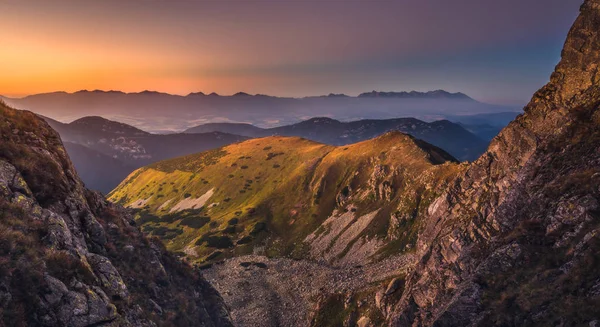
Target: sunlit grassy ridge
<point x="272" y="192"/>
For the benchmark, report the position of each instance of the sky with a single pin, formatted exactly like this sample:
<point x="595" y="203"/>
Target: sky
<point x="495" y="51"/>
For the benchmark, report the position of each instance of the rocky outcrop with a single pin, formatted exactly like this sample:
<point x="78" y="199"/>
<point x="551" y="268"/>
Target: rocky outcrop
<point x="515" y="239"/>
<point x="70" y="258"/>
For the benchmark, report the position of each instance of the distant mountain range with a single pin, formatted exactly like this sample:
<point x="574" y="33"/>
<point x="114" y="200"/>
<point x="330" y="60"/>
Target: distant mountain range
<point x="161" y="112"/>
<point x="438" y="94"/>
<point x="449" y="136"/>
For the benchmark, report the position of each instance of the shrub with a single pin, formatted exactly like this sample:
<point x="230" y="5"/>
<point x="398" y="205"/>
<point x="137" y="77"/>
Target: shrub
<point x="244" y="240"/>
<point x="214" y="255"/>
<point x="272" y="155"/>
<point x="65" y="266"/>
<point x="258" y="227"/>
<point x="219" y="242"/>
<point x="195" y="222"/>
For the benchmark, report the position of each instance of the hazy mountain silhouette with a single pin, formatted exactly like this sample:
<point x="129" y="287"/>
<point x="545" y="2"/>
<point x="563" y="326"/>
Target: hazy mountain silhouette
<point x="160" y="112"/>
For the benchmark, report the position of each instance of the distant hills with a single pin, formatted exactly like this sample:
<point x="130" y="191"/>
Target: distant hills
<point x="161" y="112"/>
<point x="104" y="151"/>
<point x="449" y="136"/>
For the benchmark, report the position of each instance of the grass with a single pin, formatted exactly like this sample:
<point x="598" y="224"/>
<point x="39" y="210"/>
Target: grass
<point x="281" y="187"/>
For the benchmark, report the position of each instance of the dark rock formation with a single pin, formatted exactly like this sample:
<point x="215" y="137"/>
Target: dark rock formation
<point x="516" y="240"/>
<point x="70" y="258"/>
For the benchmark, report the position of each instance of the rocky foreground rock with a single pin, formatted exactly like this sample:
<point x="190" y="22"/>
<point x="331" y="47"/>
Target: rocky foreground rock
<point x="515" y="240"/>
<point x="70" y="258"/>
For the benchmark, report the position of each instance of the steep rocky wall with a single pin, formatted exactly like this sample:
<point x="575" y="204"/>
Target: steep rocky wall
<point x="70" y="258"/>
<point x="515" y="240"/>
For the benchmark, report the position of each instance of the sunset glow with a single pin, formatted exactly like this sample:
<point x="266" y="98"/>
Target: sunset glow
<point x="289" y="48"/>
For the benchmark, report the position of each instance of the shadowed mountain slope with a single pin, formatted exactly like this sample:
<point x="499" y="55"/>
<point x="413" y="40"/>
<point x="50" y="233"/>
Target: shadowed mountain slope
<point x="515" y="240"/>
<point x="70" y="258"/>
<point x="115" y="149"/>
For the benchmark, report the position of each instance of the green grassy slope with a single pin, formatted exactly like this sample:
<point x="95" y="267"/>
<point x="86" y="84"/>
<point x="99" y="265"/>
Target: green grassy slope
<point x="270" y="193"/>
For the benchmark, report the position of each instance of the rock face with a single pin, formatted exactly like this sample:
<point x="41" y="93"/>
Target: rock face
<point x="515" y="239"/>
<point x="70" y="258"/>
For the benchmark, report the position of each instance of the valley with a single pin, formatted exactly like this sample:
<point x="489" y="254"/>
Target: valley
<point x="264" y="292"/>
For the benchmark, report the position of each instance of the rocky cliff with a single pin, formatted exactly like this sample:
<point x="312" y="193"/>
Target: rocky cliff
<point x="69" y="258"/>
<point x="515" y="240"/>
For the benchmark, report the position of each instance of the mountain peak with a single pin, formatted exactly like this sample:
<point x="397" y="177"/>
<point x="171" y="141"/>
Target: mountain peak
<point x="578" y="69"/>
<point x="437" y="94"/>
<point x="92" y="120"/>
<point x="321" y="121"/>
<point x="242" y="94"/>
<point x="337" y="95"/>
<point x="106" y="125"/>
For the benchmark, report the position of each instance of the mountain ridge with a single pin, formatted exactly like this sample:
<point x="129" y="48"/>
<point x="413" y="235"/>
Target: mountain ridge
<point x="521" y="219"/>
<point x="287" y="185"/>
<point x="436" y="94"/>
<point x="450" y="136"/>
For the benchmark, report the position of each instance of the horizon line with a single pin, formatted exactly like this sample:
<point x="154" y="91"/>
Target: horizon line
<point x="240" y="93"/>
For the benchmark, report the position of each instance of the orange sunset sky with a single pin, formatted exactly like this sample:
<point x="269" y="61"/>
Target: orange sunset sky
<point x="288" y="48"/>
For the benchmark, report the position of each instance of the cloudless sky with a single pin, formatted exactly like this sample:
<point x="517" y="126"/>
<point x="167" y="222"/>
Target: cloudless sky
<point x="495" y="51"/>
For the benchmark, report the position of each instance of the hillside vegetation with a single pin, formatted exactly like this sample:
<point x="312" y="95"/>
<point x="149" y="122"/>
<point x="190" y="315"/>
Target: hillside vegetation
<point x="289" y="196"/>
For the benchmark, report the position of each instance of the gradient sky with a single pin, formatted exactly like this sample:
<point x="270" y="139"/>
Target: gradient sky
<point x="495" y="51"/>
